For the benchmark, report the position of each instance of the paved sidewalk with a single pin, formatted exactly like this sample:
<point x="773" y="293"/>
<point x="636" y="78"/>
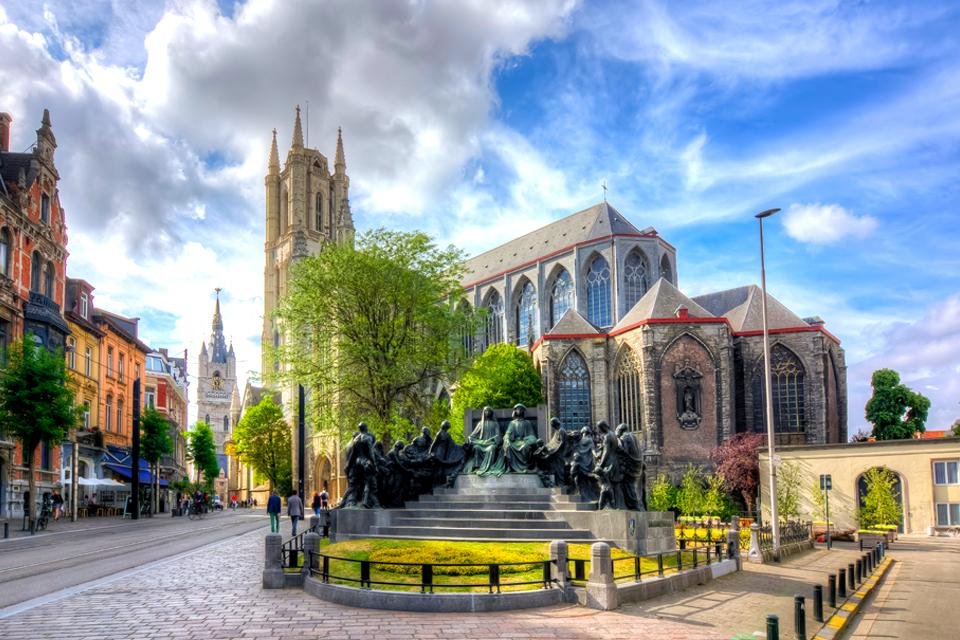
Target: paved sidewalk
<point x="215" y="593"/>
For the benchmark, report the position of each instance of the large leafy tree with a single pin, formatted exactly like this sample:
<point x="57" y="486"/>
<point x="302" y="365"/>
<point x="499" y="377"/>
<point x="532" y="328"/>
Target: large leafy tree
<point x="500" y="377"/>
<point x="262" y="439"/>
<point x="895" y="410"/>
<point x="369" y="327"/>
<point x="738" y="463"/>
<point x="35" y="404"/>
<point x="202" y="447"/>
<point x="155" y="443"/>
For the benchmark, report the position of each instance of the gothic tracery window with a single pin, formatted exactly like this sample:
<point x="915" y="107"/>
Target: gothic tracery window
<point x="787" y="390"/>
<point x="573" y="392"/>
<point x="666" y="272"/>
<point x="526" y="315"/>
<point x="629" y="398"/>
<point x="634" y="278"/>
<point x="493" y="327"/>
<point x="466" y="331"/>
<point x="598" y="293"/>
<point x="561" y="296"/>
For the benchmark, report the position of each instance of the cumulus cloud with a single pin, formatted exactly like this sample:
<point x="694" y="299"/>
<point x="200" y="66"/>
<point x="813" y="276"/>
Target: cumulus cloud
<point x="926" y="354"/>
<point x="824" y="224"/>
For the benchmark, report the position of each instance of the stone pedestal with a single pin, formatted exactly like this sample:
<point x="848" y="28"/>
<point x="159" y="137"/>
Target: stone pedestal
<point x="638" y="532"/>
<point x="601" y="589"/>
<point x="272" y="562"/>
<point x="506" y="482"/>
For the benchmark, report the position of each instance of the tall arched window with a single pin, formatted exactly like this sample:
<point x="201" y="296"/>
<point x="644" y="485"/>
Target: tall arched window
<point x="561" y="296"/>
<point x="226" y="424"/>
<point x="108" y="414"/>
<point x="787" y="390"/>
<point x="493" y="329"/>
<point x="666" y="271"/>
<point x="5" y="252"/>
<point x="598" y="293"/>
<point x="466" y="331"/>
<point x="48" y="279"/>
<point x="318" y="217"/>
<point x="573" y="392"/>
<point x="629" y="398"/>
<point x="634" y="278"/>
<point x="119" y="415"/>
<point x="36" y="264"/>
<point x="527" y="315"/>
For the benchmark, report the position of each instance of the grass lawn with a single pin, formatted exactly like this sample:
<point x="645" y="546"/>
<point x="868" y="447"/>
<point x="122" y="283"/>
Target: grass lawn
<point x="520" y="562"/>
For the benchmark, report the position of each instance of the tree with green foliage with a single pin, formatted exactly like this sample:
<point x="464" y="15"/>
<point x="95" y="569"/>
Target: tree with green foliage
<point x="955" y="429"/>
<point x="662" y="495"/>
<point x="716" y="502"/>
<point x="895" y="411"/>
<point x="819" y="501"/>
<point x="738" y="464"/>
<point x="35" y="404"/>
<point x="500" y="377"/>
<point x="202" y="448"/>
<point x="880" y="506"/>
<point x="262" y="439"/>
<point x="690" y="494"/>
<point x="155" y="443"/>
<point x="789" y="483"/>
<point x="369" y="329"/>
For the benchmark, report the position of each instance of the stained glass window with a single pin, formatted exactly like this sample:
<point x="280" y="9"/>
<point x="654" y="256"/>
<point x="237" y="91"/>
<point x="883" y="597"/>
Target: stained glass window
<point x="634" y="278"/>
<point x="527" y="315"/>
<point x="629" y="399"/>
<point x="561" y="297"/>
<point x="493" y="331"/>
<point x="573" y="384"/>
<point x="598" y="293"/>
<point x="786" y="387"/>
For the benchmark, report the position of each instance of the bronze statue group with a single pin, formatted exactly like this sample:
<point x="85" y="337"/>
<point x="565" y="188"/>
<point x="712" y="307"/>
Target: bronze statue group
<point x="600" y="465"/>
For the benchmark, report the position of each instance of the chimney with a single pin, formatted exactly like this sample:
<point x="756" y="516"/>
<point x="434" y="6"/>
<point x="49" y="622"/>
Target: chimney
<point x="5" y="121"/>
<point x="683" y="313"/>
<point x="163" y="350"/>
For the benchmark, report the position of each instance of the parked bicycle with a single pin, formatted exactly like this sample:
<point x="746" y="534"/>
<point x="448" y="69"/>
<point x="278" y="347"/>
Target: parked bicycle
<point x="196" y="511"/>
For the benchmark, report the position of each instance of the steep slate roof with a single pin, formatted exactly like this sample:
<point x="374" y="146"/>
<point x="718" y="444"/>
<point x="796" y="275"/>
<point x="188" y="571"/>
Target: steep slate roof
<point x="596" y="222"/>
<point x="12" y="163"/>
<point x="661" y="301"/>
<point x="571" y="322"/>
<point x="744" y="309"/>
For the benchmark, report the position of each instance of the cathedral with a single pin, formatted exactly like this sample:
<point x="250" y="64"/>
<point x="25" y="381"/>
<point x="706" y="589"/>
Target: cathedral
<point x="307" y="207"/>
<point x="597" y="303"/>
<point x="217" y="384"/>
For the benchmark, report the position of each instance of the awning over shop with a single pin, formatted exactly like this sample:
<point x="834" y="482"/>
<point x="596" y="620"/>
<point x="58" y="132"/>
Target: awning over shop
<point x="145" y="476"/>
<point x="100" y="482"/>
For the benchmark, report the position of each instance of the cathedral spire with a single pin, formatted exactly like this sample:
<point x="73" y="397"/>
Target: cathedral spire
<point x="340" y="162"/>
<point x="218" y="346"/>
<point x="273" y="166"/>
<point x="297" y="131"/>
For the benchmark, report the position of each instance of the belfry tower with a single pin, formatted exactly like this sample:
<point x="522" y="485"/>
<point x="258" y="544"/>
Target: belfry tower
<point x="307" y="207"/>
<point x="216" y="381"/>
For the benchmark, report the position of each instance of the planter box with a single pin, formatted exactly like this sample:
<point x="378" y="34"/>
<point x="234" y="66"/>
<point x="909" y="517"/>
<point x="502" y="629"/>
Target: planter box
<point x="870" y="539"/>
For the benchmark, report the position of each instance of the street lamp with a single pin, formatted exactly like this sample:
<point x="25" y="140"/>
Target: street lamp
<point x="774" y="519"/>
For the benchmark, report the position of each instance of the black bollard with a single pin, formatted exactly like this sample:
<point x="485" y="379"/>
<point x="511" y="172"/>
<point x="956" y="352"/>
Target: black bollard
<point x="860" y="542"/>
<point x="842" y="584"/>
<point x="6" y="530"/>
<point x="851" y="584"/>
<point x="832" y="591"/>
<point x="859" y="567"/>
<point x="773" y="627"/>
<point x="818" y="602"/>
<point x="800" y="617"/>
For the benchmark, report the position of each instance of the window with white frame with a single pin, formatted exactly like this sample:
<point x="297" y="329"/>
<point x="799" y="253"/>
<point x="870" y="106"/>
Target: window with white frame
<point x="110" y="362"/>
<point x="86" y="413"/>
<point x="150" y="397"/>
<point x="946" y="472"/>
<point x="120" y="363"/>
<point x="948" y="514"/>
<point x="84" y="305"/>
<point x="88" y="362"/>
<point x="72" y="352"/>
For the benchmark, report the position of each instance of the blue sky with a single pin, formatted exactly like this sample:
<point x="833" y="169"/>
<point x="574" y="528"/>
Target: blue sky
<point x="479" y="120"/>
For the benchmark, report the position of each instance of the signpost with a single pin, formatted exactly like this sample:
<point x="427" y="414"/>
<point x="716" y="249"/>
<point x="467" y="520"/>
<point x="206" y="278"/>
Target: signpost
<point x="826" y="483"/>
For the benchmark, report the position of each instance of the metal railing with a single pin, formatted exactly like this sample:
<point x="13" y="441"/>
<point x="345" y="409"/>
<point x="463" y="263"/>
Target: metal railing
<point x="701" y="533"/>
<point x="790" y="532"/>
<point x="658" y="564"/>
<point x="320" y="567"/>
<point x="292" y="550"/>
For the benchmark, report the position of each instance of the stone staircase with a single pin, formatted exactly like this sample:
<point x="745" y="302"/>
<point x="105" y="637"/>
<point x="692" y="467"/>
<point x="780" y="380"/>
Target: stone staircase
<point x="513" y="507"/>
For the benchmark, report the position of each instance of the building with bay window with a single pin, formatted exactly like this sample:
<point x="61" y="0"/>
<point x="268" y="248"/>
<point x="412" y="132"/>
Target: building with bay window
<point x="597" y="303"/>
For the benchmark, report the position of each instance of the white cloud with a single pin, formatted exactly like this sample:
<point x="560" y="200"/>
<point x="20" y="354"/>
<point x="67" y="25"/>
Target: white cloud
<point x="824" y="224"/>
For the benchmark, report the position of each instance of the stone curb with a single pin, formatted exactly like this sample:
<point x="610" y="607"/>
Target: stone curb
<point x="834" y="627"/>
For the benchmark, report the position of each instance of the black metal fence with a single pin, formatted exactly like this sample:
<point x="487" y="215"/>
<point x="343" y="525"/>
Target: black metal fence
<point x="790" y="532"/>
<point x="653" y="565"/>
<point x="321" y="566"/>
<point x="292" y="550"/>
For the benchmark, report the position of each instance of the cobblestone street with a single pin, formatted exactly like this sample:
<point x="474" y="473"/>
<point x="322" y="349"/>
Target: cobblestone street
<point x="215" y="592"/>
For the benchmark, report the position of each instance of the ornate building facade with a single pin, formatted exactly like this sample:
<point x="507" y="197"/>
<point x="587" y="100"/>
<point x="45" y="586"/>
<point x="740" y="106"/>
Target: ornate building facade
<point x="216" y="385"/>
<point x="307" y="207"/>
<point x="33" y="260"/>
<point x="596" y="302"/>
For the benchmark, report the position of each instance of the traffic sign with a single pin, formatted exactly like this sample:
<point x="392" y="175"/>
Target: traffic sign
<point x="826" y="482"/>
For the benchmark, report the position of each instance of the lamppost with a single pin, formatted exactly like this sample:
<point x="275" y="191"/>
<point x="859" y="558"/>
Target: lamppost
<point x="774" y="519"/>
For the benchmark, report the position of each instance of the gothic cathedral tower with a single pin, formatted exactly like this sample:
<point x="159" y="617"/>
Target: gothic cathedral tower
<point x="307" y="207"/>
<point x="216" y="382"/>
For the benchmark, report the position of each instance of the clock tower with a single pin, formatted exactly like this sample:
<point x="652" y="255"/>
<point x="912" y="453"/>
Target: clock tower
<point x="216" y="384"/>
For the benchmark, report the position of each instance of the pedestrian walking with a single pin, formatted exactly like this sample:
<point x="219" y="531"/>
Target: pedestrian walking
<point x="294" y="510"/>
<point x="57" y="500"/>
<point x="316" y="504"/>
<point x="324" y="498"/>
<point x="273" y="509"/>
